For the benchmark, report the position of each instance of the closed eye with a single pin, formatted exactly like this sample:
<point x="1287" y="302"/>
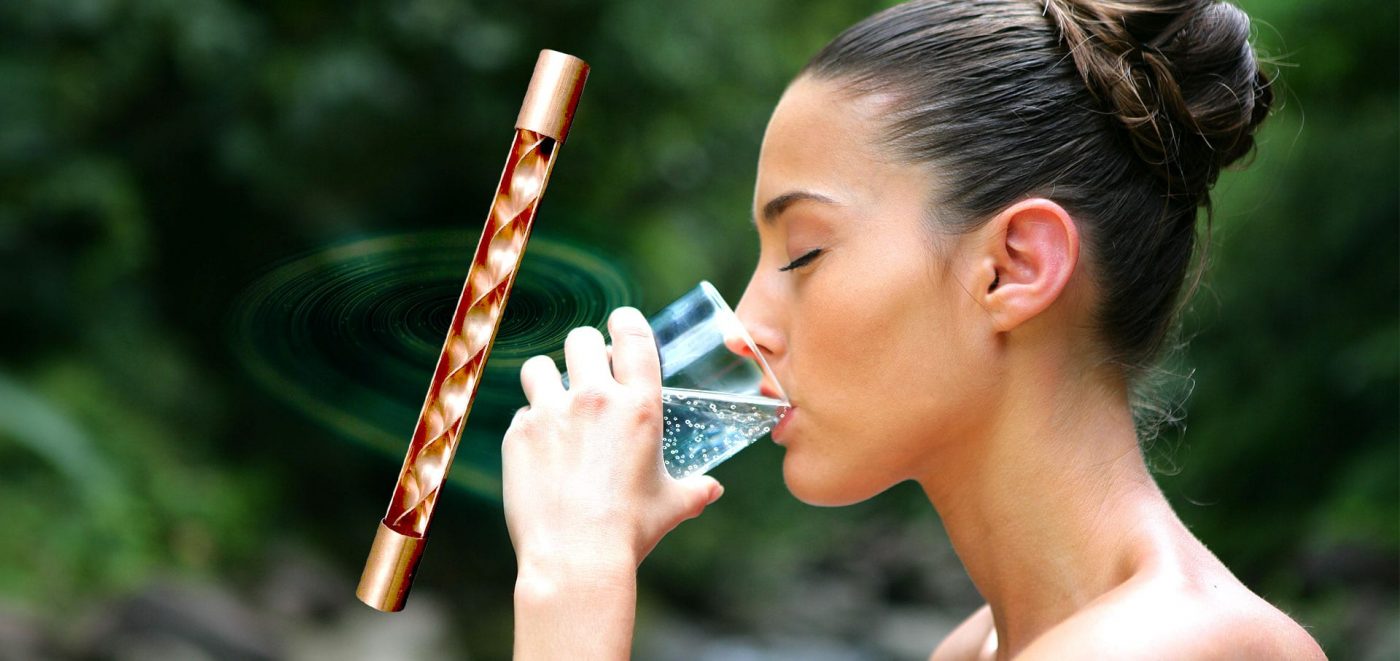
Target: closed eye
<point x="802" y="261"/>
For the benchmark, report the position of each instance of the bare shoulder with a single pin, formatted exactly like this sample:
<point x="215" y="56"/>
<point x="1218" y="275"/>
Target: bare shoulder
<point x="1160" y="617"/>
<point x="968" y="640"/>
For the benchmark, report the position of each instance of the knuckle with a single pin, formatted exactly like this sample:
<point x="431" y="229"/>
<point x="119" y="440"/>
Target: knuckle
<point x="643" y="408"/>
<point x="631" y="333"/>
<point x="697" y="507"/>
<point x="590" y="400"/>
<point x="521" y="424"/>
<point x="690" y="507"/>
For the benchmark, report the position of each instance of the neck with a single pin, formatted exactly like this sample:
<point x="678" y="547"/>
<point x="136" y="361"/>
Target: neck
<point x="1051" y="507"/>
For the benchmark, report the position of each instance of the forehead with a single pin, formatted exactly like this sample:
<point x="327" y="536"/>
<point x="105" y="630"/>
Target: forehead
<point x="815" y="129"/>
<point x="825" y="140"/>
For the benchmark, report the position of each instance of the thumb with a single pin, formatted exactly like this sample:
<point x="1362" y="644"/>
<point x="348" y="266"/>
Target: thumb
<point x="696" y="493"/>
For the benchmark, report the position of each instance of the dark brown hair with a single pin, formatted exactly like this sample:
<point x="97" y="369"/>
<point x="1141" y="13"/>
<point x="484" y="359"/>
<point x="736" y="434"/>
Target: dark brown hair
<point x="1122" y="112"/>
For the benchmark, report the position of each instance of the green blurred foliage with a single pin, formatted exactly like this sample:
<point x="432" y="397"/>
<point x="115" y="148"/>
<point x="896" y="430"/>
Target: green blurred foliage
<point x="155" y="155"/>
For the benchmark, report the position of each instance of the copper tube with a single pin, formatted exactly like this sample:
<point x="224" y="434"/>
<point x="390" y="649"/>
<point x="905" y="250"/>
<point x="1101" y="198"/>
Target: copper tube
<point x="553" y="94"/>
<point x="543" y="123"/>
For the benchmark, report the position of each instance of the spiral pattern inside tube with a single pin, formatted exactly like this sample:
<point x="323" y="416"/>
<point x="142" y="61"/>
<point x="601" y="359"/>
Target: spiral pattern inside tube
<point x="470" y="335"/>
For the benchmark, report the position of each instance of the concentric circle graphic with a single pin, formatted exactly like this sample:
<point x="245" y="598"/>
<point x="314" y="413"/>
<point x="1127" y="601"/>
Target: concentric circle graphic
<point x="349" y="334"/>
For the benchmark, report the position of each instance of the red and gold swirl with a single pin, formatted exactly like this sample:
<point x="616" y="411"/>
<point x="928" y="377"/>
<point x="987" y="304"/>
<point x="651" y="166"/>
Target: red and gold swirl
<point x="470" y="336"/>
<point x="543" y="123"/>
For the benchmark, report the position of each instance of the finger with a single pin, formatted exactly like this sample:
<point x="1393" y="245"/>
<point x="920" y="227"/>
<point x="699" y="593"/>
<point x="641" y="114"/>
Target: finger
<point x="586" y="357"/>
<point x="510" y="440"/>
<point x="694" y="494"/>
<point x="540" y="379"/>
<point x="515" y="421"/>
<point x="634" y="358"/>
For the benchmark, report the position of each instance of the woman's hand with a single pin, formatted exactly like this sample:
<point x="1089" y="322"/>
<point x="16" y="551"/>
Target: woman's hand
<point x="586" y="494"/>
<point x="583" y="476"/>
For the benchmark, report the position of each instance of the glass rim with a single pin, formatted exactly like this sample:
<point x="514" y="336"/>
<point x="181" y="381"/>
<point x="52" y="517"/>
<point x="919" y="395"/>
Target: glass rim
<point x="713" y="294"/>
<point x="711" y="394"/>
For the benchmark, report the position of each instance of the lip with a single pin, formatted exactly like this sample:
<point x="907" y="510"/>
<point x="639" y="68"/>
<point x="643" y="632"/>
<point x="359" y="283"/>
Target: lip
<point x="780" y="430"/>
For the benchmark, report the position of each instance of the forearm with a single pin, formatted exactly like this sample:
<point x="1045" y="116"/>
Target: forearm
<point x="566" y="610"/>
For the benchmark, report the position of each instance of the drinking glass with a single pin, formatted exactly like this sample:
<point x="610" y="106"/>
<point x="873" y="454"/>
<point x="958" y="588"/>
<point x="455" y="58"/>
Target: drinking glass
<point x="718" y="394"/>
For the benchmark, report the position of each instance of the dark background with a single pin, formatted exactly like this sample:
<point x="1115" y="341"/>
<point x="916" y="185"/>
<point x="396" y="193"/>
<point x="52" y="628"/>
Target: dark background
<point x="162" y="496"/>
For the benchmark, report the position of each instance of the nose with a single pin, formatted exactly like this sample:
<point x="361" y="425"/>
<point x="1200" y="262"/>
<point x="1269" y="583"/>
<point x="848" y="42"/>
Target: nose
<point x="758" y="313"/>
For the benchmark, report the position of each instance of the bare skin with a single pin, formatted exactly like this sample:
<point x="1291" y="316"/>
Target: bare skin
<point x="963" y="363"/>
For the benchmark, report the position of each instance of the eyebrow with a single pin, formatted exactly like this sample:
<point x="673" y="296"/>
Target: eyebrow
<point x="777" y="205"/>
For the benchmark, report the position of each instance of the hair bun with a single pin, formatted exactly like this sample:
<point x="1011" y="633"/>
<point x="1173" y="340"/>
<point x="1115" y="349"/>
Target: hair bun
<point x="1179" y="75"/>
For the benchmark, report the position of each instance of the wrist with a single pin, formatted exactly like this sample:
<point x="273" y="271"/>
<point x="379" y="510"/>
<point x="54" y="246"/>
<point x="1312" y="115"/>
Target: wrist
<point x="542" y="577"/>
<point x="571" y="608"/>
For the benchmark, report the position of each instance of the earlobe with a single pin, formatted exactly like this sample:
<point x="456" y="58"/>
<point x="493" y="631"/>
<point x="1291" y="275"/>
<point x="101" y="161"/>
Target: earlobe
<point x="1033" y="250"/>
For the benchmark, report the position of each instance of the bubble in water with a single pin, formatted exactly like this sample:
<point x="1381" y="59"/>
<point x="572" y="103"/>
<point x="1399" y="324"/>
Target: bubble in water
<point x="713" y="432"/>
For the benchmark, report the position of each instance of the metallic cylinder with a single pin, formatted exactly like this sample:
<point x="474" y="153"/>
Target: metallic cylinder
<point x="543" y="123"/>
<point x="554" y="91"/>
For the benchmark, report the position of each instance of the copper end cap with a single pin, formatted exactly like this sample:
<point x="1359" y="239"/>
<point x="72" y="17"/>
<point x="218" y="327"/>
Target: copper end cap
<point x="389" y="571"/>
<point x="553" y="94"/>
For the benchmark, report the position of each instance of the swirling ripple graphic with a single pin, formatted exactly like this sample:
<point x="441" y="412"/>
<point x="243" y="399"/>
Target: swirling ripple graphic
<point x="349" y="335"/>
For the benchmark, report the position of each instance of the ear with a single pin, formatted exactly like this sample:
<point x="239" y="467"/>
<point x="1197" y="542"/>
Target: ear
<point x="1031" y="251"/>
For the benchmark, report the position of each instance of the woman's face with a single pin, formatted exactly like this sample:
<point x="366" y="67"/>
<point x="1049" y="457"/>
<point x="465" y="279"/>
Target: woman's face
<point x="884" y="355"/>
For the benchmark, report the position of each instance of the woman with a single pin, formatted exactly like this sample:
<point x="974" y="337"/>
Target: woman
<point x="975" y="221"/>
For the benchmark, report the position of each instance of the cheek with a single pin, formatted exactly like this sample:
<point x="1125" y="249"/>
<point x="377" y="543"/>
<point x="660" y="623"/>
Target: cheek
<point x="941" y="369"/>
<point x="878" y="339"/>
<point x="867" y="366"/>
<point x="886" y="372"/>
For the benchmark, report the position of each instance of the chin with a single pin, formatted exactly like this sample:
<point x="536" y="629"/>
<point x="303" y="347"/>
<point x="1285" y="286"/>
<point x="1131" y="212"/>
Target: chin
<point x="824" y="485"/>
